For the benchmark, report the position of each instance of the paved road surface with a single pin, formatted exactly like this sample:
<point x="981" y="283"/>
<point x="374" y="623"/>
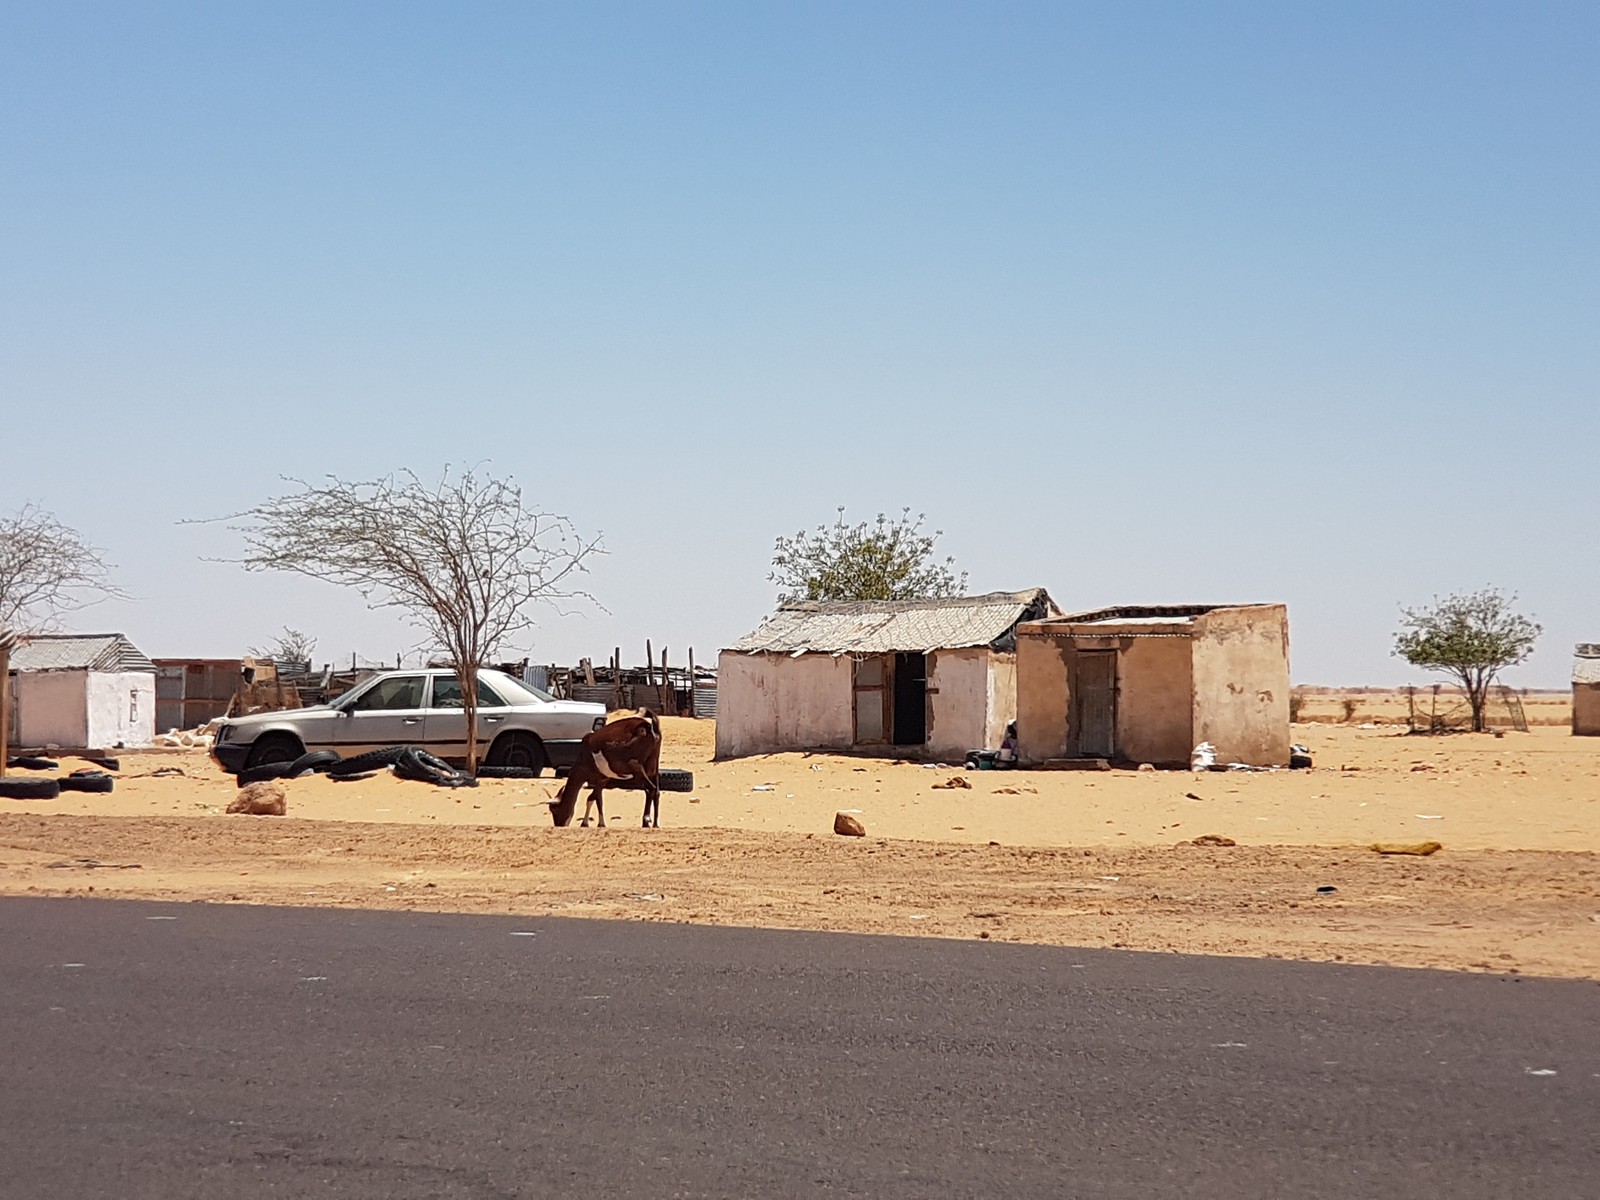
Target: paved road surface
<point x="176" y="1051"/>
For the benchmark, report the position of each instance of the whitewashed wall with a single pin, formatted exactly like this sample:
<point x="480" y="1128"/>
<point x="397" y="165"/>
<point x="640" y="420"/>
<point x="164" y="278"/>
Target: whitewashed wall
<point x="51" y="709"/>
<point x="768" y="703"/>
<point x="960" y="706"/>
<point x="1002" y="696"/>
<point x="122" y="708"/>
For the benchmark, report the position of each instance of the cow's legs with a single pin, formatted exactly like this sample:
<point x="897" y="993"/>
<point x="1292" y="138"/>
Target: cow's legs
<point x="592" y="801"/>
<point x="652" y="805"/>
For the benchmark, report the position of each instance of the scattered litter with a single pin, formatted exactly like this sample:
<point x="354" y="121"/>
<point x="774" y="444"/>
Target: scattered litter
<point x="1229" y="1045"/>
<point x="1539" y="1071"/>
<point x="1213" y="839"/>
<point x="955" y="781"/>
<point x="1147" y="766"/>
<point x="645" y="896"/>
<point x="161" y="918"/>
<point x="1299" y="758"/>
<point x="1203" y="757"/>
<point x="524" y="933"/>
<point x="163" y="773"/>
<point x="1430" y="816"/>
<point x="917" y="917"/>
<point x="1421" y="766"/>
<point x="1111" y="878"/>
<point x="816" y="766"/>
<point x="72" y="964"/>
<point x="1326" y="889"/>
<point x="764" y="787"/>
<point x="1192" y="796"/>
<point x="1421" y="849"/>
<point x="313" y="979"/>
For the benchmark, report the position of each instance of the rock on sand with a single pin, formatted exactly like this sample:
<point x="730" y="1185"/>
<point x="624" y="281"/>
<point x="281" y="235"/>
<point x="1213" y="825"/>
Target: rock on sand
<point x="264" y="799"/>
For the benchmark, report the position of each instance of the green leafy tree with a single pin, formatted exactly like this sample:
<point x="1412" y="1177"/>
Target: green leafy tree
<point x="877" y="560"/>
<point x="1471" y="637"/>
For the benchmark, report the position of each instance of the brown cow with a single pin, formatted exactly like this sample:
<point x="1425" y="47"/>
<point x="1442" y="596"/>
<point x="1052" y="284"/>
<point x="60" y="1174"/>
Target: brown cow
<point x="623" y="754"/>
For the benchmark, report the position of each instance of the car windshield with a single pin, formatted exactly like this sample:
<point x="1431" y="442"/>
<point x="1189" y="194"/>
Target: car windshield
<point x="517" y="692"/>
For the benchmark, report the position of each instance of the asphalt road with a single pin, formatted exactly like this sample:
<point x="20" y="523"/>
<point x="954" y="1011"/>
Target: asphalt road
<point x="186" y="1050"/>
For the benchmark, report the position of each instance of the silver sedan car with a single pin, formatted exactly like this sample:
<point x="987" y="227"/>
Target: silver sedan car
<point x="518" y="725"/>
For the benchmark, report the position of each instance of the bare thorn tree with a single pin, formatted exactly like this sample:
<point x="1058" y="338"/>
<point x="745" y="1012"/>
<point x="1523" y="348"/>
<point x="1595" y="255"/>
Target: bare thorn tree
<point x="46" y="569"/>
<point x="290" y="646"/>
<point x="465" y="560"/>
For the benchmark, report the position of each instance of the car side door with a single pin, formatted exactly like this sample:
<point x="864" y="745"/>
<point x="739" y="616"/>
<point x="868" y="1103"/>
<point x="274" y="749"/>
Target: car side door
<point x="447" y="719"/>
<point x="388" y="713"/>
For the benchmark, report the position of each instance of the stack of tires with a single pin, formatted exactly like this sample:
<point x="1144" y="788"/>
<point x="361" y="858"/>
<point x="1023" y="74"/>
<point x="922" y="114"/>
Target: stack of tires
<point x="88" y="779"/>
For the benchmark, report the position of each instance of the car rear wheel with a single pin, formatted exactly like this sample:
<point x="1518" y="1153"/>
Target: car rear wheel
<point x="274" y="748"/>
<point x="517" y="749"/>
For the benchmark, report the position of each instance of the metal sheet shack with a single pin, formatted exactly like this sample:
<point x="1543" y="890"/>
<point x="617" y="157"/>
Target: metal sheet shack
<point x="1586" y="690"/>
<point x="1148" y="684"/>
<point x="81" y="691"/>
<point x="927" y="679"/>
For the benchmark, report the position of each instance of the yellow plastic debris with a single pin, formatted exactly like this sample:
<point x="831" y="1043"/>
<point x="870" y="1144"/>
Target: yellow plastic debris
<point x="1417" y="848"/>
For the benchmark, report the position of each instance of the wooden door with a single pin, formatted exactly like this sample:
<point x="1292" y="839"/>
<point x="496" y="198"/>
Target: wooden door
<point x="871" y="690"/>
<point x="1094" y="704"/>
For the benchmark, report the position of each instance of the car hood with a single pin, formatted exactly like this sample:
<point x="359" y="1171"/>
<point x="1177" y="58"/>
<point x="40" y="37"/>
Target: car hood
<point x="310" y="712"/>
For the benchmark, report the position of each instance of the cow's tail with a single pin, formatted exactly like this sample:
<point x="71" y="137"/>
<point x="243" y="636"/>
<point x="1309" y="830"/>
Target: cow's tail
<point x="655" y="722"/>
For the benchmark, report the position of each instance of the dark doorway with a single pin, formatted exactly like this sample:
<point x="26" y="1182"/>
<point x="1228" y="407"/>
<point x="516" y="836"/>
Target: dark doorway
<point x="1094" y="703"/>
<point x="910" y="699"/>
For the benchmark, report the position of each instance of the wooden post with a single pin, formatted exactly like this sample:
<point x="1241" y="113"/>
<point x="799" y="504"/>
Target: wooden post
<point x="649" y="664"/>
<point x="5" y="701"/>
<point x="691" y="682"/>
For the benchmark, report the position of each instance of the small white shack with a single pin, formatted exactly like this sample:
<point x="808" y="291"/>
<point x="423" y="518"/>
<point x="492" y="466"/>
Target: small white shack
<point x="925" y="679"/>
<point x="81" y="691"/>
<point x="1586" y="689"/>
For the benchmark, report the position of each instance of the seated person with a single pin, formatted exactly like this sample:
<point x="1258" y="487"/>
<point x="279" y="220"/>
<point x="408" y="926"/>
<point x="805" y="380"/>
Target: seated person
<point x="1008" y="748"/>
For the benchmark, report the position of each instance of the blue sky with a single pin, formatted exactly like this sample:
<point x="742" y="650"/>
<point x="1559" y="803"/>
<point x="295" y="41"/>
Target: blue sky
<point x="1139" y="302"/>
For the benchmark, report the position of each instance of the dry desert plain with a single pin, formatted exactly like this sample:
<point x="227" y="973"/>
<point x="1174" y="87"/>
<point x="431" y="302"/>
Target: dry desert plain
<point x="1070" y="858"/>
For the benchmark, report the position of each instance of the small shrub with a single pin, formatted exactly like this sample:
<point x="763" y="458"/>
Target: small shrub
<point x="1349" y="704"/>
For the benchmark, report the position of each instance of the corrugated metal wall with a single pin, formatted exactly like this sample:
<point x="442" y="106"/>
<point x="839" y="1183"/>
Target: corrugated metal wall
<point x="188" y="694"/>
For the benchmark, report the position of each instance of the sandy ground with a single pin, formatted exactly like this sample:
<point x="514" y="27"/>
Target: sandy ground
<point x="1080" y="858"/>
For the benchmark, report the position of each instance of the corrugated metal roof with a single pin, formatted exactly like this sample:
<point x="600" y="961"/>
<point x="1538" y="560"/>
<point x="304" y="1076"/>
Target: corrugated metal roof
<point x="79" y="652"/>
<point x="896" y="626"/>
<point x="1586" y="665"/>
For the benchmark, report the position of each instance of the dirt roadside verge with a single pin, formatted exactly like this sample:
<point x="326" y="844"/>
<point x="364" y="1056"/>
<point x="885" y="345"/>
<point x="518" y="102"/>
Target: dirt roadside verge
<point x="1534" y="912"/>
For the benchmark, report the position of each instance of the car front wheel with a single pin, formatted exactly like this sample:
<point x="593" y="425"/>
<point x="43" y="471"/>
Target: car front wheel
<point x="274" y="748"/>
